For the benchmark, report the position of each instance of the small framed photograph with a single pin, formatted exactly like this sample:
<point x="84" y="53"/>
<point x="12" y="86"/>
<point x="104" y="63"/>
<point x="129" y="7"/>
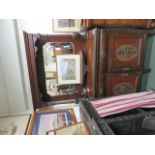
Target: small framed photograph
<point x="67" y="25"/>
<point x="46" y="120"/>
<point x="69" y="69"/>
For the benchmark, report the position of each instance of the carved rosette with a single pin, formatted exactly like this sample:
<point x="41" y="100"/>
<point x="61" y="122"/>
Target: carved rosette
<point x="126" y="53"/>
<point x="123" y="88"/>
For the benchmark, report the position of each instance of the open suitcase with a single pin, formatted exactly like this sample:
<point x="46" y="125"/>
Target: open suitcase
<point x="137" y="121"/>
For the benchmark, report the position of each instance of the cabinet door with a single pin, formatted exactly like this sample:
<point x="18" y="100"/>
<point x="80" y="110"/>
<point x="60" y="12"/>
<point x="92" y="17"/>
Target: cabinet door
<point x="118" y="84"/>
<point x="126" y="50"/>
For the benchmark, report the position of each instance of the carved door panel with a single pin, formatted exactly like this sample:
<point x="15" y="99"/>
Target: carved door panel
<point x="126" y="50"/>
<point x="118" y="84"/>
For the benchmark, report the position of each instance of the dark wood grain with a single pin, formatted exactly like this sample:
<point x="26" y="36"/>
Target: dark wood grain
<point x="91" y="62"/>
<point x="120" y="38"/>
<point x="132" y="23"/>
<point x="102" y="63"/>
<point x="125" y="83"/>
<point x="30" y="53"/>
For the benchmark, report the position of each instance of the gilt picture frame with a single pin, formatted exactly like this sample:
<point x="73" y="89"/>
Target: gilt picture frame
<point x="45" y="120"/>
<point x="67" y="25"/>
<point x="69" y="69"/>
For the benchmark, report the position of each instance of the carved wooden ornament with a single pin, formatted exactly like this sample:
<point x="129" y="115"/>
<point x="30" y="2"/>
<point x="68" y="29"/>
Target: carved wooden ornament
<point x="126" y="53"/>
<point x="123" y="88"/>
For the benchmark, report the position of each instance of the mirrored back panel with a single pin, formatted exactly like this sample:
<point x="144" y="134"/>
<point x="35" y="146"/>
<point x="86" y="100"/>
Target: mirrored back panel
<point x="50" y="51"/>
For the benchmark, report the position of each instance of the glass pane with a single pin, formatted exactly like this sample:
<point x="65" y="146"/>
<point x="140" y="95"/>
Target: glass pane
<point x="50" y="51"/>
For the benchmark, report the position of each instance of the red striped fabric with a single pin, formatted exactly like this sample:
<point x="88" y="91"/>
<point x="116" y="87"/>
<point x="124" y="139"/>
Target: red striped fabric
<point x="118" y="104"/>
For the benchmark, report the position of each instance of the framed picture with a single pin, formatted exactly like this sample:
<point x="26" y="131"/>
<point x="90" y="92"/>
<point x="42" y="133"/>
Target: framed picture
<point x="69" y="69"/>
<point x="67" y="25"/>
<point x="74" y="129"/>
<point x="46" y="120"/>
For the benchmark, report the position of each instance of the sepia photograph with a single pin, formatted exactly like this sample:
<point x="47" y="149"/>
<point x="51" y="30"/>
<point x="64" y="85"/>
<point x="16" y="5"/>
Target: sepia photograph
<point x="67" y="25"/>
<point x="68" y="68"/>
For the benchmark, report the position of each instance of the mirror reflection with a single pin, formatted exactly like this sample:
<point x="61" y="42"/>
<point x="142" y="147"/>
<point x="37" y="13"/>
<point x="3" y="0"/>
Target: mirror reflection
<point x="50" y="51"/>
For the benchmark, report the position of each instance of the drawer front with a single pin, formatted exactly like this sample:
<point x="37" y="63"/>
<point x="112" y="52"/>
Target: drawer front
<point x="126" y="50"/>
<point x="134" y="23"/>
<point x="118" y="84"/>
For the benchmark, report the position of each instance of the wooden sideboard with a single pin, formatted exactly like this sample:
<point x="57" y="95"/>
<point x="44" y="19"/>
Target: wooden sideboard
<point x="120" y="60"/>
<point x="113" y="59"/>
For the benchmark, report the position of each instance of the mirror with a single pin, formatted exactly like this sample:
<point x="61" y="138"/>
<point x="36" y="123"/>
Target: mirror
<point x="50" y="51"/>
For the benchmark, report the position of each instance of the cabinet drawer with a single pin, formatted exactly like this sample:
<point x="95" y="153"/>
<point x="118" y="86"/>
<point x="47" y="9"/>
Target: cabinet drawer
<point x="126" y="50"/>
<point x="118" y="84"/>
<point x="134" y="23"/>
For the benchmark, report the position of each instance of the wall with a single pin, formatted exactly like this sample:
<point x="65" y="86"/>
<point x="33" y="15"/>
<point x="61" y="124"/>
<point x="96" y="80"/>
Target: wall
<point x="151" y="75"/>
<point x="15" y="93"/>
<point x="147" y="63"/>
<point x="43" y="26"/>
<point x="148" y="81"/>
<point x="12" y="96"/>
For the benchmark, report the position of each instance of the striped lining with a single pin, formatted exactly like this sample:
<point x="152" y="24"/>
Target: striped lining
<point x="122" y="103"/>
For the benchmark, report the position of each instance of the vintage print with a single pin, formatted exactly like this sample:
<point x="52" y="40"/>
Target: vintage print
<point x="69" y="70"/>
<point x="67" y="25"/>
<point x="51" y="120"/>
